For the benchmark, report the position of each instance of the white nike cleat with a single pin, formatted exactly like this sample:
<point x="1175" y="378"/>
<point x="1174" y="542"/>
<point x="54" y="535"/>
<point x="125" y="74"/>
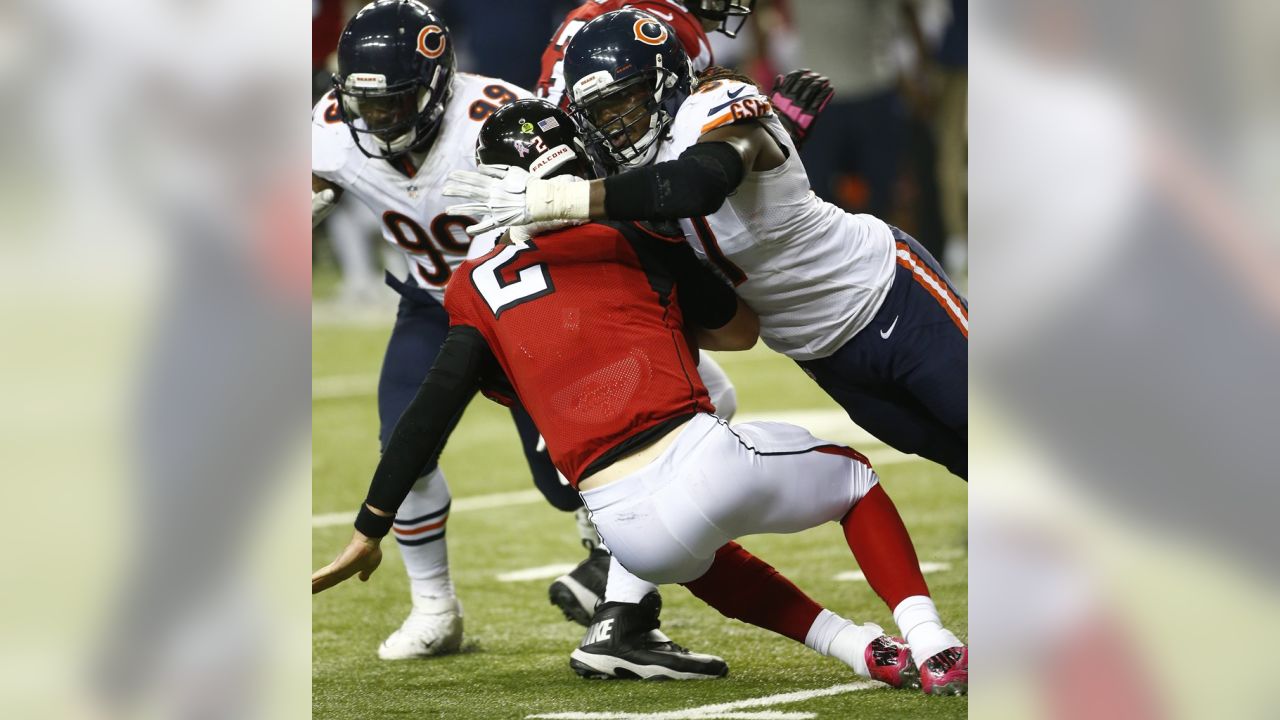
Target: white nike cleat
<point x="434" y="627"/>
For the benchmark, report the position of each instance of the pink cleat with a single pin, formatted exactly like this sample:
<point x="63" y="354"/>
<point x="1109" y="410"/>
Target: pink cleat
<point x="946" y="673"/>
<point x="889" y="660"/>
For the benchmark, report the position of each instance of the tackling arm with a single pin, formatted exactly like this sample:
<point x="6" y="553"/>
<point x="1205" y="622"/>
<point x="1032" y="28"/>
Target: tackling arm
<point x="720" y="320"/>
<point x="696" y="183"/>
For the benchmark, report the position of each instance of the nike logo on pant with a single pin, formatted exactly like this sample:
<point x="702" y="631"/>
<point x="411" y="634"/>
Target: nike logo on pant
<point x="884" y="334"/>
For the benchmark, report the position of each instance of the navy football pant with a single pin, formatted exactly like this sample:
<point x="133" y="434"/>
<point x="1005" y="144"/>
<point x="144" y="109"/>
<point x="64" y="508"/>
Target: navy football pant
<point x="904" y="378"/>
<point x="420" y="329"/>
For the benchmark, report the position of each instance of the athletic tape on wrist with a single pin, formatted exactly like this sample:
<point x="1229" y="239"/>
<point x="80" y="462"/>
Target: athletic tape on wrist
<point x="548" y="200"/>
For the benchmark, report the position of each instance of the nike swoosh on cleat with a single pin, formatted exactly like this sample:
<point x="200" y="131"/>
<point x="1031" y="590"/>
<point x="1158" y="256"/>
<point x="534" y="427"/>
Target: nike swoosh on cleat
<point x="884" y="334"/>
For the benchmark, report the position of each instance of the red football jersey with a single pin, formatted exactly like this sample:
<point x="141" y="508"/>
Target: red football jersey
<point x="688" y="28"/>
<point x="587" y="328"/>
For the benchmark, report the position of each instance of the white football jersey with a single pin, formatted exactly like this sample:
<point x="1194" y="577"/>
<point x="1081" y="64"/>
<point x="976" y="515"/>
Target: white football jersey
<point x="815" y="274"/>
<point x="412" y="209"/>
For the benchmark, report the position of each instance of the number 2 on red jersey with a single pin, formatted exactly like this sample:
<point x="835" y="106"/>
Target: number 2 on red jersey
<point x="500" y="294"/>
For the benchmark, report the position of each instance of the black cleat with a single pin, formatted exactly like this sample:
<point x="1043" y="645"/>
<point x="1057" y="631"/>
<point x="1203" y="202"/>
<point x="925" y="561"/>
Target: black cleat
<point x="624" y="642"/>
<point x="578" y="592"/>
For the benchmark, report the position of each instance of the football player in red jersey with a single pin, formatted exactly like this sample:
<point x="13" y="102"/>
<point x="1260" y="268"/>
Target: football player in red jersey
<point x="575" y="592"/>
<point x="589" y="331"/>
<point x="799" y="97"/>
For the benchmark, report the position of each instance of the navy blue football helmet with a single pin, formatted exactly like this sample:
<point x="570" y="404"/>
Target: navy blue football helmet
<point x="395" y="74"/>
<point x="724" y="12"/>
<point x="626" y="75"/>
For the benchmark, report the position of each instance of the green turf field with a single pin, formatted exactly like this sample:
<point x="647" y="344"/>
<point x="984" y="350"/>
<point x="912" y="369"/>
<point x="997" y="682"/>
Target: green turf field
<point x="515" y="659"/>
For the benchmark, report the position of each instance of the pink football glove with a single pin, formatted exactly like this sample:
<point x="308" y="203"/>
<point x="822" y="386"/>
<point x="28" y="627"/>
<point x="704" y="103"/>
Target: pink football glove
<point x="798" y="97"/>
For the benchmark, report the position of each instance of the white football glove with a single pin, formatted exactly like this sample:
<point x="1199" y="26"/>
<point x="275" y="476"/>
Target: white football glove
<point x="322" y="203"/>
<point x="506" y="195"/>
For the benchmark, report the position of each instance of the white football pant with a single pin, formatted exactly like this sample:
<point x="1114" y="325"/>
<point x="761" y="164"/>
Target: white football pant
<point x="715" y="483"/>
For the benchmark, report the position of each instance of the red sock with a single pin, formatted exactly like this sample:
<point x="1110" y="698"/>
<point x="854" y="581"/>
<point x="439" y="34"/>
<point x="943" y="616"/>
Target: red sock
<point x="744" y="587"/>
<point x="883" y="549"/>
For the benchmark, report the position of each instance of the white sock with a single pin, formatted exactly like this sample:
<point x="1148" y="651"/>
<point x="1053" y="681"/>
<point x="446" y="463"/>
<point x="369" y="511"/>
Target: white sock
<point x="917" y="618"/>
<point x="622" y="586"/>
<point x="421" y="517"/>
<point x="839" y="638"/>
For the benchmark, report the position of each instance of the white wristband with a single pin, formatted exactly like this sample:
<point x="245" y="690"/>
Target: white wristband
<point x="549" y="200"/>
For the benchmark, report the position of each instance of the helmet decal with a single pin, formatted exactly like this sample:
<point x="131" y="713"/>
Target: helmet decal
<point x="426" y="48"/>
<point x="366" y="81"/>
<point x="550" y="160"/>
<point x="650" y="31"/>
<point x="535" y="135"/>
<point x="595" y="81"/>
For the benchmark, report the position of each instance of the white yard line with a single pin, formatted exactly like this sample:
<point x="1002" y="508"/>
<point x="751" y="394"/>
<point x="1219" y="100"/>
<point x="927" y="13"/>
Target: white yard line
<point x="763" y="715"/>
<point x="542" y="572"/>
<point x="465" y="504"/>
<point x="723" y="710"/>
<point x="335" y="387"/>
<point x="925" y="569"/>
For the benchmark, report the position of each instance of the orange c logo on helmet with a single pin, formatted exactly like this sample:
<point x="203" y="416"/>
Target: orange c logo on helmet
<point x="657" y="32"/>
<point x="425" y="48"/>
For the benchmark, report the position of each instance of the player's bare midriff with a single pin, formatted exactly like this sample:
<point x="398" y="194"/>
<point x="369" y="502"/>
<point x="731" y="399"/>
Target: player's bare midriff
<point x="629" y="464"/>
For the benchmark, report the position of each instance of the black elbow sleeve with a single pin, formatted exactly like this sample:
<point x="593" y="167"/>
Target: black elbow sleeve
<point x="693" y="185"/>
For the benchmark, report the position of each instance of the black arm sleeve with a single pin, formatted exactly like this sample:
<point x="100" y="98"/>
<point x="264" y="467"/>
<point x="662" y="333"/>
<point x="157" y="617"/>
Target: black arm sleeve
<point x="420" y="433"/>
<point x="695" y="184"/>
<point x="706" y="301"/>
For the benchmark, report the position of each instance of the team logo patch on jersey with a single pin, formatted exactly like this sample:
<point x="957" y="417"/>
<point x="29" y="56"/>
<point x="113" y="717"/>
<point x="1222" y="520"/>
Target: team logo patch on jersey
<point x="650" y="32"/>
<point x="428" y="47"/>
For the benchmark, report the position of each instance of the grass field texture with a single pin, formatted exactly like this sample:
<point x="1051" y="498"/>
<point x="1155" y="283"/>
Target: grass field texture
<point x="514" y="662"/>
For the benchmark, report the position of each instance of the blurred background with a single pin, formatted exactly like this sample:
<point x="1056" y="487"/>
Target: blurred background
<point x="156" y="342"/>
<point x="155" y="359"/>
